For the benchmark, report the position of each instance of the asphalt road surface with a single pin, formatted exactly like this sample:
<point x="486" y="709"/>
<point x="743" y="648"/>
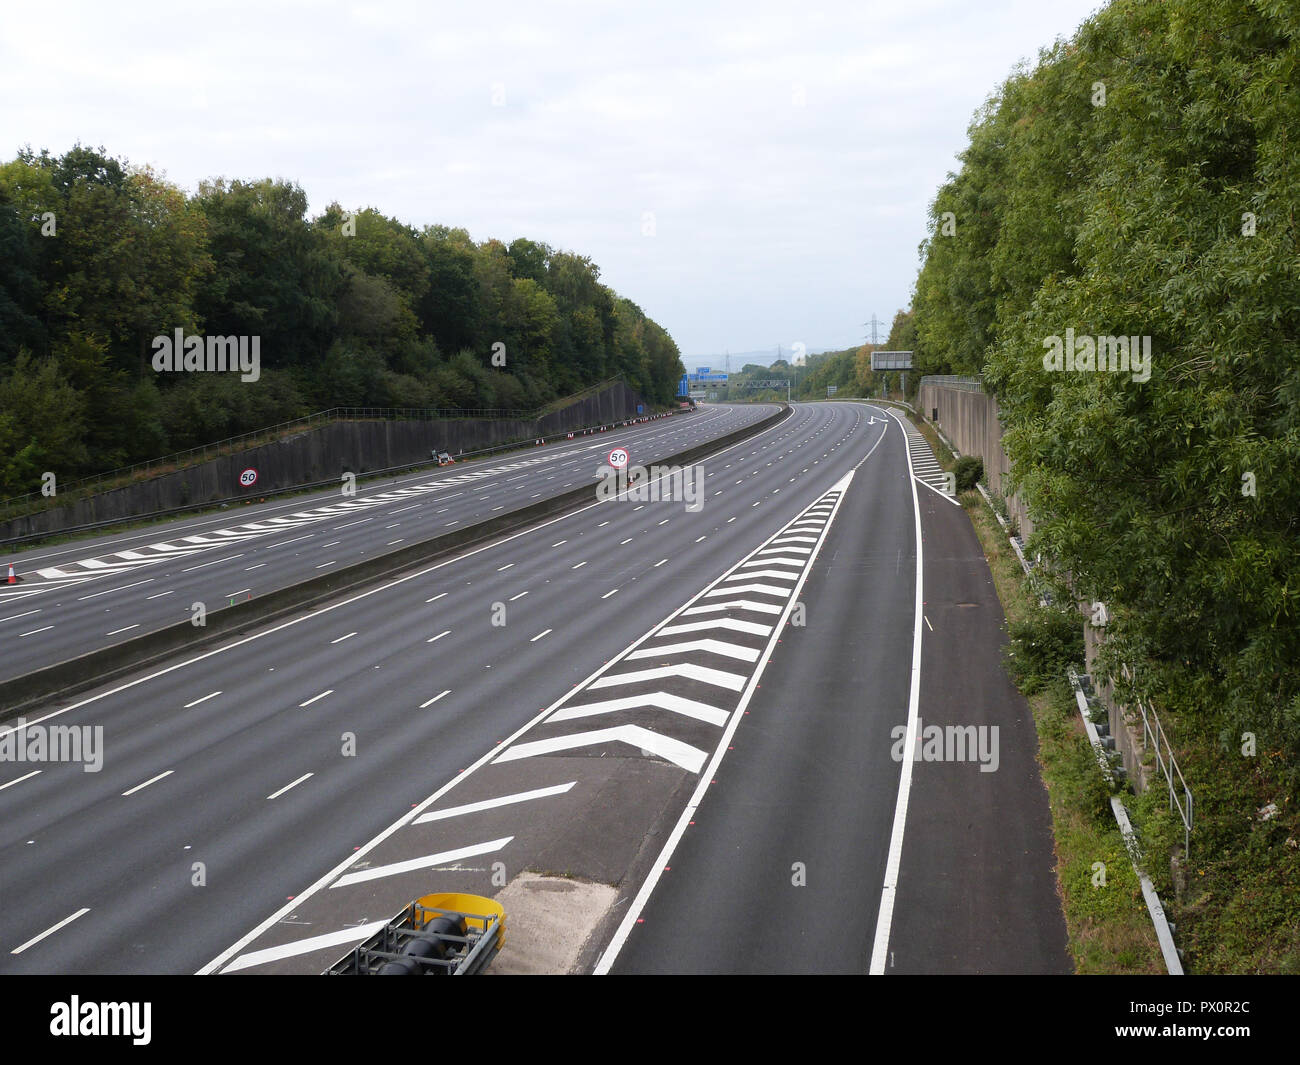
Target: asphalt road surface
<point x="91" y="594"/>
<point x="634" y="678"/>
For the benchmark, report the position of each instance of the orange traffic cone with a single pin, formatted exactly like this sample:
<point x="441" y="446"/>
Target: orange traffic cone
<point x="12" y="578"/>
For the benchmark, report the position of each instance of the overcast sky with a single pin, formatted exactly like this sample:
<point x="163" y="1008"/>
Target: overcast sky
<point x="751" y="174"/>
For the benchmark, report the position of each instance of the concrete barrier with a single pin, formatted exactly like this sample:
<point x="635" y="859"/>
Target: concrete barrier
<point x="111" y="663"/>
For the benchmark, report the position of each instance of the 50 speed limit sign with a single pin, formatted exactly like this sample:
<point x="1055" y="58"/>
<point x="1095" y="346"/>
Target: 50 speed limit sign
<point x="617" y="458"/>
<point x="248" y="478"/>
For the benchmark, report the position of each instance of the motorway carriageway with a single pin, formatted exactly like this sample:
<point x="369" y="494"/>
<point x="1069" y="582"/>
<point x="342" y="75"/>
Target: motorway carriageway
<point x="96" y="593"/>
<point x="318" y="773"/>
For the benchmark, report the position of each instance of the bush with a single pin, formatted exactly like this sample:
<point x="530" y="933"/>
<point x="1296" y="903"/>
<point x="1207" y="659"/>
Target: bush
<point x="1043" y="647"/>
<point x="969" y="471"/>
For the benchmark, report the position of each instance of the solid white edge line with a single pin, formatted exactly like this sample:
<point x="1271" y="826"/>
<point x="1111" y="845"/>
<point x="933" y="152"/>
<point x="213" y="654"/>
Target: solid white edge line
<point x="889" y="889"/>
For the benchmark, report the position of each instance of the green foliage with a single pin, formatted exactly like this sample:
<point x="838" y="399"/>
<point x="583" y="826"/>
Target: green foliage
<point x="1166" y="212"/>
<point x="350" y="308"/>
<point x="969" y="472"/>
<point x="1042" y="647"/>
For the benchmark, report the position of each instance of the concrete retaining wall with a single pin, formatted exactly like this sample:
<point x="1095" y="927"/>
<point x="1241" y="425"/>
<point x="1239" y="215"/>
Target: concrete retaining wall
<point x="970" y="421"/>
<point x="321" y="454"/>
<point x="1125" y="728"/>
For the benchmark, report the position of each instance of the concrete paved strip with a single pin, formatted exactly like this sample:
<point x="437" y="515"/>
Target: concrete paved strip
<point x="549" y="920"/>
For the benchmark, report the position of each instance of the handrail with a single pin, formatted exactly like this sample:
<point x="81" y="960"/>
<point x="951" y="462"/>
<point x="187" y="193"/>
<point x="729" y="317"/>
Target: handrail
<point x="965" y="384"/>
<point x="1153" y="733"/>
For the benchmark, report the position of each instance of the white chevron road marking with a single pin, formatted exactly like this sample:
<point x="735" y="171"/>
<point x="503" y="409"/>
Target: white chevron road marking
<point x="761" y="589"/>
<point x="780" y="575"/>
<point x="683" y="754"/>
<point x="734" y="604"/>
<point x="692" y="708"/>
<point x="427" y="861"/>
<point x="343" y="936"/>
<point x="685" y="669"/>
<point x="717" y="647"/>
<point x="735" y="625"/>
<point x="492" y="804"/>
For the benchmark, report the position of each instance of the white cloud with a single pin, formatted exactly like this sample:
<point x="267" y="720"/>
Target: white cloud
<point x="787" y="151"/>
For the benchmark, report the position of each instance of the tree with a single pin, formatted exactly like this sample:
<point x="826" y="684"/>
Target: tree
<point x="276" y="277"/>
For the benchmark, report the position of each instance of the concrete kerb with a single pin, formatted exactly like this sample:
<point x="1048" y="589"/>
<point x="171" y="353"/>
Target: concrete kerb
<point x="110" y="663"/>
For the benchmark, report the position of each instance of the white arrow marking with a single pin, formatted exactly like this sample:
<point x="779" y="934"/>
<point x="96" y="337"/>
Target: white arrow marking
<point x="671" y="750"/>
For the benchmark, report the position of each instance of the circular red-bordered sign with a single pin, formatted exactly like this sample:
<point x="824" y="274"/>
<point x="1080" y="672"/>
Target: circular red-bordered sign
<point x="248" y="478"/>
<point x="617" y="458"/>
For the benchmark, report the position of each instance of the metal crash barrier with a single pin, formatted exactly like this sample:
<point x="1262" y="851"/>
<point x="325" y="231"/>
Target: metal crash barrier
<point x="449" y="934"/>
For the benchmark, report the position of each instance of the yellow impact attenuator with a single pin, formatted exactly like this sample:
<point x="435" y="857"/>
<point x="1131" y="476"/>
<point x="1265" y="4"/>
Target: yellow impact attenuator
<point x="458" y="902"/>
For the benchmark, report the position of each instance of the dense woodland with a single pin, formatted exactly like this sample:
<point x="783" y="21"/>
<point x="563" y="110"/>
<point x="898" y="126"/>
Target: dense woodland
<point x="352" y="309"/>
<point x="1142" y="178"/>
